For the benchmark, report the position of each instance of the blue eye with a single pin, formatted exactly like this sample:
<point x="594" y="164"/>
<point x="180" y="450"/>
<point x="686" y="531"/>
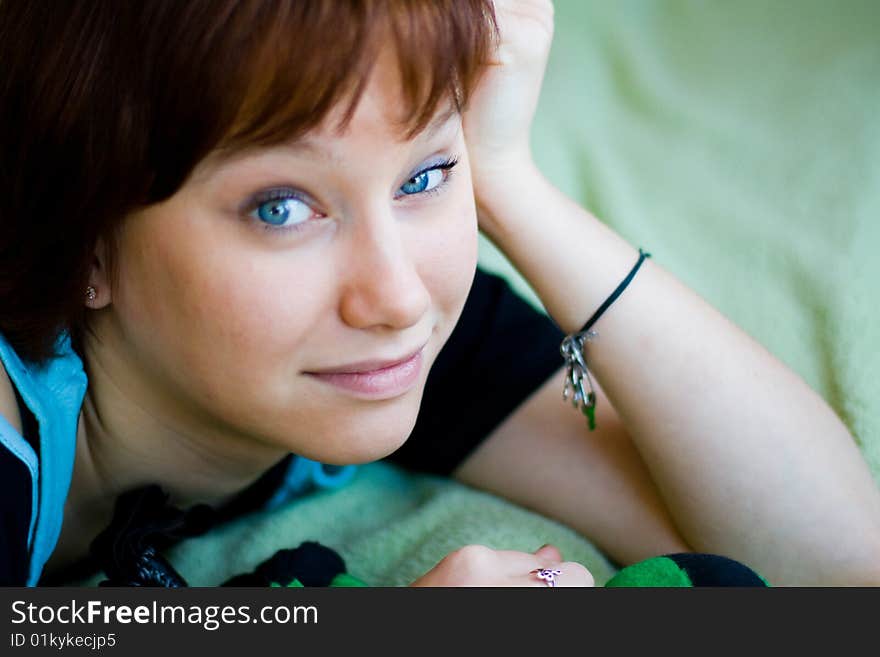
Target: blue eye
<point x="281" y="209"/>
<point x="420" y="183"/>
<point x="429" y="180"/>
<point x="284" y="209"/>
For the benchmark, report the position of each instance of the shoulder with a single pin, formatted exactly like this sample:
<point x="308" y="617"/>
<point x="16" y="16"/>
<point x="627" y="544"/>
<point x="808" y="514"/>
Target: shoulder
<point x="52" y="389"/>
<point x="37" y="452"/>
<point x="16" y="487"/>
<point x="8" y="403"/>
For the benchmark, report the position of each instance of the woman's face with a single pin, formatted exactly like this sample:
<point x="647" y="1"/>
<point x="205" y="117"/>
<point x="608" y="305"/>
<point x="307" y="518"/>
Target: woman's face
<point x="296" y="259"/>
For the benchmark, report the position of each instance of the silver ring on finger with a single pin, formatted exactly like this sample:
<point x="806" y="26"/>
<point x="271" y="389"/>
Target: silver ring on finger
<point x="548" y="575"/>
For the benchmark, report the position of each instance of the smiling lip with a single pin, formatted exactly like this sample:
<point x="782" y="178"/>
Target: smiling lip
<point x="368" y="366"/>
<point x="375" y="379"/>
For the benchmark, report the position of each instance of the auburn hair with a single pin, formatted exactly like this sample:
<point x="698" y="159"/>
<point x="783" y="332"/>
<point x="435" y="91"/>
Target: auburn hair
<point x="106" y="107"/>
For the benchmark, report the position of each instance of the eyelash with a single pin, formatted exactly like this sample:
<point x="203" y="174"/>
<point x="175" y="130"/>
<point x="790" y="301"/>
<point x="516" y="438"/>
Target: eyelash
<point x="447" y="165"/>
<point x="282" y="194"/>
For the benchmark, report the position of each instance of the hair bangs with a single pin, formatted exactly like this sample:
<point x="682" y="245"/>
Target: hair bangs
<point x="312" y="57"/>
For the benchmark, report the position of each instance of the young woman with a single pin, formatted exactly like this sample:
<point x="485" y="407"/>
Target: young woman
<point x="238" y="230"/>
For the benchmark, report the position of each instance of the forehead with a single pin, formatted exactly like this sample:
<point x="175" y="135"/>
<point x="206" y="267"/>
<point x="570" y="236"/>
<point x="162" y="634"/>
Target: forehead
<point x="315" y="144"/>
<point x="382" y="108"/>
<point x="369" y="122"/>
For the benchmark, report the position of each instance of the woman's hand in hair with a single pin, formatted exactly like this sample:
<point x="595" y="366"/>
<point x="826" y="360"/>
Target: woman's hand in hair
<point x="478" y="565"/>
<point x="499" y="115"/>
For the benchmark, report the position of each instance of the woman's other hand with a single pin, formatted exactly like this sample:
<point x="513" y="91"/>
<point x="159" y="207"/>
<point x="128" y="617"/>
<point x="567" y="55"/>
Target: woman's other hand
<point x="478" y="565"/>
<point x="498" y="119"/>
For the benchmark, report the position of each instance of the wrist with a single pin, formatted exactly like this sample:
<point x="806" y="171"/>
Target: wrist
<point x="505" y="192"/>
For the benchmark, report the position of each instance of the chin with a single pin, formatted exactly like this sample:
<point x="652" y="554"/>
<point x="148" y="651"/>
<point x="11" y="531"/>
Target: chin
<point x="367" y="447"/>
<point x="356" y="438"/>
<point x="357" y="453"/>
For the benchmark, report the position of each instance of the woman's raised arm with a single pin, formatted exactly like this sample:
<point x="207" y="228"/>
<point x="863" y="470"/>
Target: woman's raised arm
<point x="749" y="460"/>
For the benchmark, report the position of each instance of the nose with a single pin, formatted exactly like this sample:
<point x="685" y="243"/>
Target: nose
<point x="381" y="283"/>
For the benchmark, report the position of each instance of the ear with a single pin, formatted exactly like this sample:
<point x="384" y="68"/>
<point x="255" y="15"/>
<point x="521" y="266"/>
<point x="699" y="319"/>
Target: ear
<point x="99" y="279"/>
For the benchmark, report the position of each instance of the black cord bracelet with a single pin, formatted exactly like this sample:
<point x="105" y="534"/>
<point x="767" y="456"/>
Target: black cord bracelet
<point x="572" y="349"/>
<point x="620" y="288"/>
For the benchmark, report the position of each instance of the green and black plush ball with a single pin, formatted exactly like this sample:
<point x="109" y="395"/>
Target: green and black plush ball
<point x="313" y="564"/>
<point x="687" y="569"/>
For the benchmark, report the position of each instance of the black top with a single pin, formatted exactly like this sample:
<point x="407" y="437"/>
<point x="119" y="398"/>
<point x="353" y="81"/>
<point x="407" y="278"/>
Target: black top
<point x="500" y="351"/>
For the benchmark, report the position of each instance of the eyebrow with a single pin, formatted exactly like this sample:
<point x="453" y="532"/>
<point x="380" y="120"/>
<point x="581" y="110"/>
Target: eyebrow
<point x="439" y="121"/>
<point x="306" y="144"/>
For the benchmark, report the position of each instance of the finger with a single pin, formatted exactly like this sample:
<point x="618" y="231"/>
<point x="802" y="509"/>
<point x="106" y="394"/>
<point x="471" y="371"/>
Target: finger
<point x="565" y="574"/>
<point x="574" y="575"/>
<point x="549" y="552"/>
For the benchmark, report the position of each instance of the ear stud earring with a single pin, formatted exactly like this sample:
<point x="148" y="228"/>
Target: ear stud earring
<point x="91" y="293"/>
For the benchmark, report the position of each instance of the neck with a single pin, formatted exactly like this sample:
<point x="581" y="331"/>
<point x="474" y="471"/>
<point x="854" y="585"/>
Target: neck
<point x="131" y="435"/>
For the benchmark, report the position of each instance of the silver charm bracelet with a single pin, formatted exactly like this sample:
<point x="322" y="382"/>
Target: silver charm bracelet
<point x="572" y="350"/>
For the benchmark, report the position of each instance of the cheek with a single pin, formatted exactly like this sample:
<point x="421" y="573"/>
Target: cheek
<point x="449" y="258"/>
<point x="211" y="318"/>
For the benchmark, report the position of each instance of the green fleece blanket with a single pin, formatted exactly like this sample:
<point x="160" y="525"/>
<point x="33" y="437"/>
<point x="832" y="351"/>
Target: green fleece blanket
<point x="738" y="142"/>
